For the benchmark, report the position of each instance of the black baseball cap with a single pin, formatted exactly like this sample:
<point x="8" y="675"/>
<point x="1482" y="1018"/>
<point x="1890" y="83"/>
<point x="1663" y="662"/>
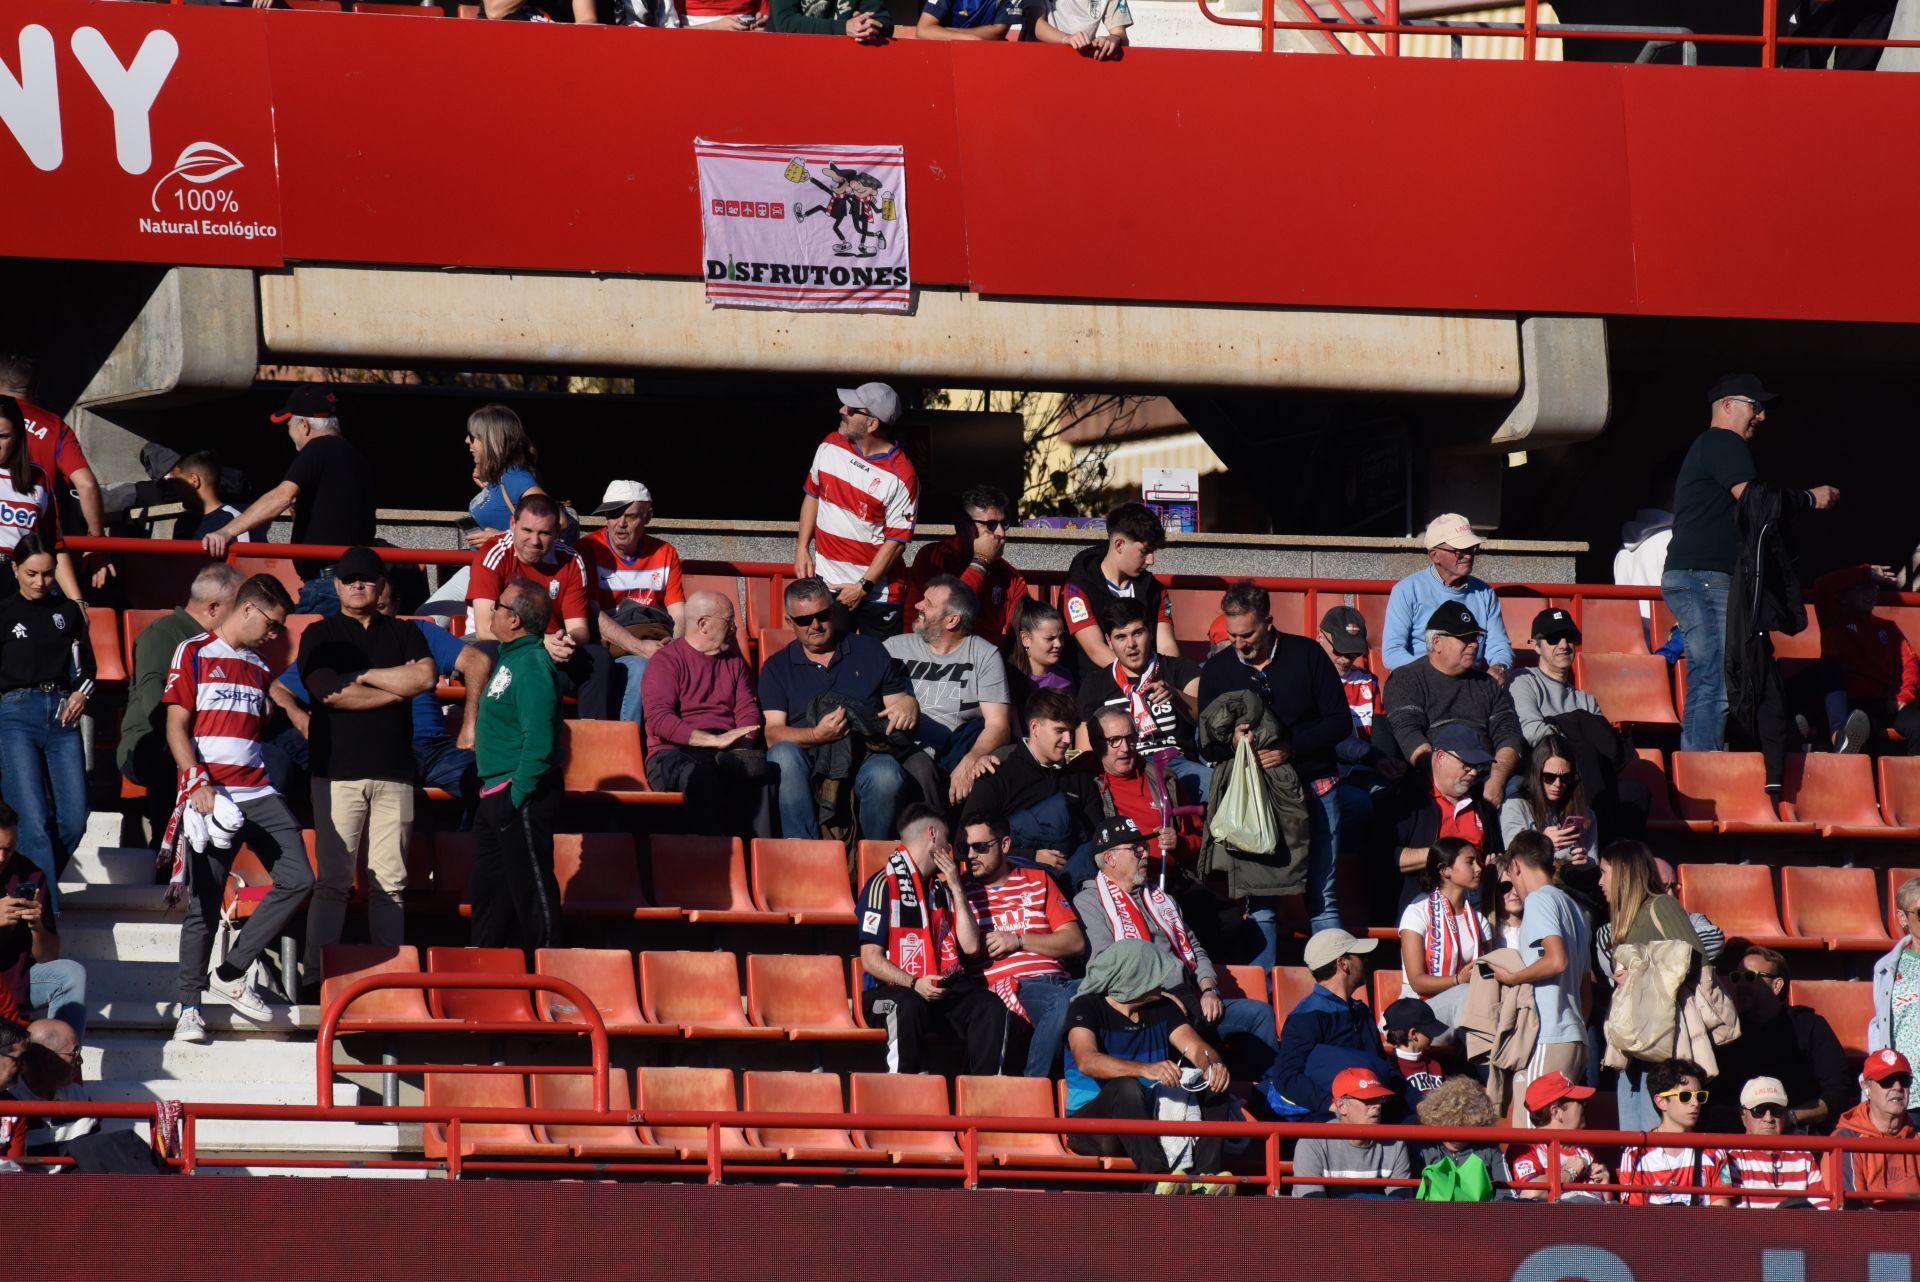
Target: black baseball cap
<point x="309" y="400"/>
<point x="359" y="563"/>
<point x="1411" y="1015"/>
<point x="1464" y="742"/>
<point x="1345" y="629"/>
<point x="1550" y="625"/>
<point x="1118" y="831"/>
<point x="1454" y="620"/>
<point x="1747" y="385"/>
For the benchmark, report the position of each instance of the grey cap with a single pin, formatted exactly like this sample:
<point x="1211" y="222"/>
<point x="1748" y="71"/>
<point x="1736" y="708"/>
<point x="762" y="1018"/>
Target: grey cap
<point x="876" y="399"/>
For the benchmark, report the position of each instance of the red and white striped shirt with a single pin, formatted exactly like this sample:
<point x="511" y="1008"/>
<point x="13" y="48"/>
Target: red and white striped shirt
<point x="865" y="501"/>
<point x="1535" y="1161"/>
<point x="1777" y="1171"/>
<point x="1024" y="902"/>
<point x="226" y="691"/>
<point x="650" y="577"/>
<point x="1655" y="1170"/>
<point x="1363" y="699"/>
<point x="28" y="513"/>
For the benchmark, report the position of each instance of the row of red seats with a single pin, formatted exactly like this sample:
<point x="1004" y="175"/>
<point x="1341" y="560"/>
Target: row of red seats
<point x="1822" y="794"/>
<point x="1825" y="908"/>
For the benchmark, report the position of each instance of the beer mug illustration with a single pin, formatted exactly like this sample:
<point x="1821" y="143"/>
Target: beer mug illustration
<point x="886" y="206"/>
<point x="796" y="170"/>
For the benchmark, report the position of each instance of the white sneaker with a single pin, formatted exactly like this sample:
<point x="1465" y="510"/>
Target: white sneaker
<point x="190" y="1027"/>
<point x="243" y="997"/>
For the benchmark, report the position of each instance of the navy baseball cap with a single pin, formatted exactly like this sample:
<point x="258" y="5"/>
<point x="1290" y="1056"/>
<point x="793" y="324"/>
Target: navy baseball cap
<point x="1411" y="1015"/>
<point x="1747" y="385"/>
<point x="1464" y="742"/>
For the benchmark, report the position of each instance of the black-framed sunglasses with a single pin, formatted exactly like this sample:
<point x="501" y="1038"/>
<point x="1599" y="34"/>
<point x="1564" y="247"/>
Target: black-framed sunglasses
<point x="994" y="527"/>
<point x="808" y="620"/>
<point x="1768" y="1110"/>
<point x="1902" y="1080"/>
<point x="1751" y="976"/>
<point x="982" y="847"/>
<point x="1555" y="776"/>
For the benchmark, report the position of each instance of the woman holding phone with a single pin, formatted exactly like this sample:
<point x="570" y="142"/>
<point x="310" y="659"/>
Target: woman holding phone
<point x="1553" y="803"/>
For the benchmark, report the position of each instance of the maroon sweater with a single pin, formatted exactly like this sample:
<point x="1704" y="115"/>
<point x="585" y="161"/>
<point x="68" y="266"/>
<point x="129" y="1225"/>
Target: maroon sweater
<point x="684" y="690"/>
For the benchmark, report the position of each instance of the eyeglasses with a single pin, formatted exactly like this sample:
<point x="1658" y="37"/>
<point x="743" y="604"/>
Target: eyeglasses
<point x="1683" y="1096"/>
<point x="1750" y="976"/>
<point x="1768" y="1110"/>
<point x="981" y="847"/>
<point x="1554" y="776"/>
<point x="1471" y="767"/>
<point x="808" y="620"/>
<point x="1504" y="889"/>
<point x="1116" y="740"/>
<point x="725" y="619"/>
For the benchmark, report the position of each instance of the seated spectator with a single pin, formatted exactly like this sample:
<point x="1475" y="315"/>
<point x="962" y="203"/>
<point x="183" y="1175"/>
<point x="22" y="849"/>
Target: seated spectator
<point x="1442" y="688"/>
<point x="532" y="550"/>
<point x="1358" y="1098"/>
<point x="828" y="699"/>
<point x="33" y="975"/>
<point x="50" y="1073"/>
<point x="1027" y="929"/>
<point x="961" y="687"/>
<point x="1034" y="645"/>
<point x="1096" y="27"/>
<point x="865" y="20"/>
<point x="200" y="474"/>
<point x="968" y="19"/>
<point x="862" y="493"/>
<point x="1867" y="680"/>
<point x="1546" y="691"/>
<point x="1410" y="1027"/>
<point x="639" y="597"/>
<point x="1133" y="1053"/>
<point x="1651" y="1171"/>
<point x="1896" y="980"/>
<point x="504" y="467"/>
<point x="1441" y="933"/>
<point x="1883" y="1113"/>
<point x="1329" y="1032"/>
<point x="1553" y="802"/>
<point x="1121" y="567"/>
<point x="1773" y="1177"/>
<point x="1051" y="813"/>
<point x="1119" y="904"/>
<point x="1554" y="1103"/>
<point x="1127" y="788"/>
<point x="703" y="724"/>
<point x="1452" y="547"/>
<point x="1555" y="942"/>
<point x="914" y="933"/>
<point x="1160" y="691"/>
<point x="1463" y="1102"/>
<point x="1443" y="802"/>
<point x="975" y="553"/>
<point x="1792" y="1046"/>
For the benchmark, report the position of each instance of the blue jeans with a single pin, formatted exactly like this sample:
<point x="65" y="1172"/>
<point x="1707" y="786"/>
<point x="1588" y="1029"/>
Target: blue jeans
<point x="30" y="735"/>
<point x="1046" y="998"/>
<point x="443" y="765"/>
<point x="1635" y="1101"/>
<point x="1248" y="1018"/>
<point x="318" y="596"/>
<point x="1698" y="599"/>
<point x="61" y="988"/>
<point x="627" y="677"/>
<point x="1323" y="860"/>
<point x="876" y="793"/>
<point x="1197" y="777"/>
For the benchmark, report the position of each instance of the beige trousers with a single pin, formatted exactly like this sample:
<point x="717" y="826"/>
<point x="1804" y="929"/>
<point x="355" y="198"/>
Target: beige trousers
<point x="350" y="815"/>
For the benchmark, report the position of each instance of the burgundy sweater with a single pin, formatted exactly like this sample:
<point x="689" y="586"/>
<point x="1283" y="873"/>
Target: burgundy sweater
<point x="684" y="690"/>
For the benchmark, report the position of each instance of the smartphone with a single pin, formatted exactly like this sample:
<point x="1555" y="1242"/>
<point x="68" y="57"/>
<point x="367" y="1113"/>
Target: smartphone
<point x="1485" y="968"/>
<point x="1576" y="822"/>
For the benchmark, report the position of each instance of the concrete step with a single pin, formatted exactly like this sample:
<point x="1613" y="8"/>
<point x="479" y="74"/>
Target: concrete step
<point x="102" y="860"/>
<point x="78" y="899"/>
<point x="141" y="1056"/>
<point x="201" y="1092"/>
<point x="98" y="938"/>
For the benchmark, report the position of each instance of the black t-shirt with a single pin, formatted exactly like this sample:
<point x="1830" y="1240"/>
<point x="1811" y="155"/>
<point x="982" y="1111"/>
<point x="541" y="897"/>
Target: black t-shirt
<point x="374" y="744"/>
<point x="336" y="496"/>
<point x="1147" y="1042"/>
<point x="1174" y="727"/>
<point x="42" y="642"/>
<point x="1703" y="502"/>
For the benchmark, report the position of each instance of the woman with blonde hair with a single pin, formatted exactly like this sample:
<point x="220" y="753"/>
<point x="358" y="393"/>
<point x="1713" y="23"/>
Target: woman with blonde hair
<point x="504" y="464"/>
<point x="1639" y="912"/>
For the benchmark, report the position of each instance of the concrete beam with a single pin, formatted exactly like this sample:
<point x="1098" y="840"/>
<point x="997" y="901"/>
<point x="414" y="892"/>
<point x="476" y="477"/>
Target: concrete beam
<point x="383" y="317"/>
<point x="1565" y="393"/>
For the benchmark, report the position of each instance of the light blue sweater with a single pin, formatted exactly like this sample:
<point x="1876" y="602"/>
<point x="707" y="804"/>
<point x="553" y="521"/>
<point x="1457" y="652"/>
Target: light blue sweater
<point x="1412" y="603"/>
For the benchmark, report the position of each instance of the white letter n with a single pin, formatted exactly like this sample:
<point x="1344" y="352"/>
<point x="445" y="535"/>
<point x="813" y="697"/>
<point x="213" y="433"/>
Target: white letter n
<point x="30" y="106"/>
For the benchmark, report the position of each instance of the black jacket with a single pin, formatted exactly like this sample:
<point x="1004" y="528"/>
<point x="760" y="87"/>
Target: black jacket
<point x="1797" y="1046"/>
<point x="1021" y="783"/>
<point x="1763" y="598"/>
<point x="1084" y="573"/>
<point x="1302" y="689"/>
<point x="44" y="642"/>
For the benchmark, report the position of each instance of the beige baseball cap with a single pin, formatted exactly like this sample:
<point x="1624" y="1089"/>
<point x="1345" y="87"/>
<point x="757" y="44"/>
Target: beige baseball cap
<point x="1453" y="530"/>
<point x="1326" y="945"/>
<point x="1763" y="1090"/>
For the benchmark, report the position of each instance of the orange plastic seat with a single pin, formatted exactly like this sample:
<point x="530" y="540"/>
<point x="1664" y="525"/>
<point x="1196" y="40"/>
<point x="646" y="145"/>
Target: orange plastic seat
<point x="1516" y="612"/>
<point x="605" y="975"/>
<point x="480" y="1005"/>
<point x="903" y="1095"/>
<point x="1738" y="898"/>
<point x="1609" y="626"/>
<point x="1195" y="609"/>
<point x="103" y="632"/>
<point x="700" y="992"/>
<point x="706" y="879"/>
<point x="1386" y="989"/>
<point x="765" y="1092"/>
<point x="1900" y="791"/>
<point x="1632" y="689"/>
<point x="344" y="963"/>
<point x="1834" y="791"/>
<point x="1290" y="985"/>
<point x="1726" y="791"/>
<point x="1804" y="644"/>
<point x="601" y="761"/>
<point x="1838" y="905"/>
<point x="482" y="1090"/>
<point x="1896" y="923"/>
<point x="1845" y="1004"/>
<point x="728" y="586"/>
<point x="873" y="858"/>
<point x="1373" y="608"/>
<point x="1245" y="981"/>
<point x="768" y="642"/>
<point x="599" y="877"/>
<point x="1650" y="768"/>
<point x="575" y="1090"/>
<point x="702" y="1090"/>
<point x="805" y="997"/>
<point x="133" y="623"/>
<point x="804" y="879"/>
<point x="1015" y="1097"/>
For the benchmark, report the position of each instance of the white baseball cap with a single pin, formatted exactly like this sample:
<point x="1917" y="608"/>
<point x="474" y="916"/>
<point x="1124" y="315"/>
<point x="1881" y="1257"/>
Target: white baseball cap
<point x="876" y="399"/>
<point x="1763" y="1090"/>
<point x="621" y="493"/>
<point x="1453" y="530"/>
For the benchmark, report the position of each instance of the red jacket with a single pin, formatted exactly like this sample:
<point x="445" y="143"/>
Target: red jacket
<point x="1878" y="1172"/>
<point x="999" y="587"/>
<point x="1878" y="662"/>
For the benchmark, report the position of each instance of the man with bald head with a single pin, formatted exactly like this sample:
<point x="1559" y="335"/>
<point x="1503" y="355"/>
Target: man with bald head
<point x="703" y="726"/>
<point x="49" y="1071"/>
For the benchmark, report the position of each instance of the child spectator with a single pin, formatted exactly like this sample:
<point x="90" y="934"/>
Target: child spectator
<point x="1462" y="1102"/>
<point x="1556" y="1104"/>
<point x="1411" y="1028"/>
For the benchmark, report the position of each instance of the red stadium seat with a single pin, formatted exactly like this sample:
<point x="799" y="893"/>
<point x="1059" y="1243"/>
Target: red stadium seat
<point x="103" y="629"/>
<point x="601" y="762"/>
<point x="804" y="996"/>
<point x="1610" y="626"/>
<point x="1015" y="1097"/>
<point x="690" y="1090"/>
<point x="482" y="1090"/>
<point x="1386" y="989"/>
<point x="706" y="879"/>
<point x="1195" y="609"/>
<point x="768" y="642"/>
<point x="599" y="877"/>
<point x="1896" y="923"/>
<point x="903" y="1095"/>
<point x="133" y="623"/>
<point x="1838" y="905"/>
<point x="728" y="586"/>
<point x="1834" y="791"/>
<point x="1245" y="981"/>
<point x="575" y="1091"/>
<point x="1372" y="607"/>
<point x="1632" y="689"/>
<point x="1738" y="898"/>
<point x="1516" y="611"/>
<point x="1804" y="644"/>
<point x="765" y="1092"/>
<point x="1900" y="791"/>
<point x="1726" y="791"/>
<point x="480" y="1005"/>
<point x="606" y="976"/>
<point x="873" y="857"/>
<point x="1290" y="985"/>
<point x="344" y="963"/>
<point x="698" y="991"/>
<point x="1650" y="768"/>
<point x="1845" y="1004"/>
<point x="804" y="879"/>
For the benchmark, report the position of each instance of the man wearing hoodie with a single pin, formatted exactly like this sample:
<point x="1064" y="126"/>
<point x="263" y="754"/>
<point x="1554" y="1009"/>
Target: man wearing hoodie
<point x="1329" y="1031"/>
<point x="1120" y="567"/>
<point x="1886" y="1082"/>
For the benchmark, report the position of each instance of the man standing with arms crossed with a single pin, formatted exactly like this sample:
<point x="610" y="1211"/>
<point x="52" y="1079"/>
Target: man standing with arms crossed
<point x="857" y="517"/>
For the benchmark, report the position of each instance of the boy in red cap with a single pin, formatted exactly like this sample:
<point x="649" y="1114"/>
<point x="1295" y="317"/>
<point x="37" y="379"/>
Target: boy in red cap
<point x="1556" y="1104"/>
<point x="1887" y="1081"/>
<point x="1358" y="1098"/>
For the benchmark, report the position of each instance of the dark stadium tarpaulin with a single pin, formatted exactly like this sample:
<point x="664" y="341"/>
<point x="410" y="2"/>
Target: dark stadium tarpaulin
<point x="95" y="1227"/>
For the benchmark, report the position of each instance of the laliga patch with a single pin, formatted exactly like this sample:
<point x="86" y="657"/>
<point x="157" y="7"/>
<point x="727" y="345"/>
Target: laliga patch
<point x="870" y="924"/>
<point x="1077" y="610"/>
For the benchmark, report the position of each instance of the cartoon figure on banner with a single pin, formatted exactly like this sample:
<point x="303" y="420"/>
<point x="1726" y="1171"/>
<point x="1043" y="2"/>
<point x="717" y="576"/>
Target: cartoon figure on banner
<point x="853" y="194"/>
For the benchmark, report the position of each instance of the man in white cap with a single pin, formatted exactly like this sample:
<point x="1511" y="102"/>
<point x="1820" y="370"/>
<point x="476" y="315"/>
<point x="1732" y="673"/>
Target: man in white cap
<point x="1451" y="547"/>
<point x="1770" y="1177"/>
<point x="857" y="518"/>
<point x="1328" y="1032"/>
<point x="635" y="583"/>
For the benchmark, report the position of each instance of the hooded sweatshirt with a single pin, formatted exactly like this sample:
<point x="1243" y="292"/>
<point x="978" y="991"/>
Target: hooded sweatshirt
<point x="1878" y="1172"/>
<point x="1878" y="662"/>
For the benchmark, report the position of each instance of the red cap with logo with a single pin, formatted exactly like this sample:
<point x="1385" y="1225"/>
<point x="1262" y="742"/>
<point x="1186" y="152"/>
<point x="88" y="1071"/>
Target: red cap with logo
<point x="1550" y="1088"/>
<point x="1359" y="1083"/>
<point x="1884" y="1064"/>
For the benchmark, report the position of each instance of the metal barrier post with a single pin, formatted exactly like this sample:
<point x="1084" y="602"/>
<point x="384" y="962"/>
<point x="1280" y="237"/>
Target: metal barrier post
<point x="1531" y="39"/>
<point x="1273" y="1165"/>
<point x="970" y="1153"/>
<point x="713" y="1152"/>
<point x="1769" y="34"/>
<point x="453" y="1148"/>
<point x="1393" y="51"/>
<point x="1266" y="26"/>
<point x="1553" y="1170"/>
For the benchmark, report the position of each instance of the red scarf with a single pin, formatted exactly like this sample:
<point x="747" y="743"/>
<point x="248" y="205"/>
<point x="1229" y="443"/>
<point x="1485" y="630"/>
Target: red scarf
<point x="1136" y="703"/>
<point x="918" y="947"/>
<point x="1444" y="950"/>
<point x="1125" y="921"/>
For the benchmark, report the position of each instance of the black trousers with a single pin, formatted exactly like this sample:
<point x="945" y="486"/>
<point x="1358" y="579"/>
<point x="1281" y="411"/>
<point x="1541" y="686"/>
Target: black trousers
<point x="516" y="902"/>
<point x="588" y="677"/>
<point x="969" y="1011"/>
<point x="1126" y="1098"/>
<point x="875" y="619"/>
<point x="729" y="791"/>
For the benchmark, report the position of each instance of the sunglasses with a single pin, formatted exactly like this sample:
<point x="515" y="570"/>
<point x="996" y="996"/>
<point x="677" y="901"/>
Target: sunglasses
<point x="1898" y="1079"/>
<point x="994" y="527"/>
<point x="808" y="620"/>
<point x="1554" y="776"/>
<point x="982" y="847"/>
<point x="1683" y="1096"/>
<point x="1768" y="1110"/>
<point x="1750" y="976"/>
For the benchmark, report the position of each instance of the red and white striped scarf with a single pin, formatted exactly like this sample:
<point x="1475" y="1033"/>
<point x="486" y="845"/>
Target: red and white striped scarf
<point x="1125" y="922"/>
<point x="1136" y="703"/>
<point x="1443" y="935"/>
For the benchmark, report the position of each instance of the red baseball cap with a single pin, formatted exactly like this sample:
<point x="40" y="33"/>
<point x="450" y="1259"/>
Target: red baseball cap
<point x="1359" y="1083"/>
<point x="1550" y="1088"/>
<point x="1884" y="1064"/>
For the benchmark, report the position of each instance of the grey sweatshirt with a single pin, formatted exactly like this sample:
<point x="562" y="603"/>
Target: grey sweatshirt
<point x="1419" y="701"/>
<point x="1537" y="696"/>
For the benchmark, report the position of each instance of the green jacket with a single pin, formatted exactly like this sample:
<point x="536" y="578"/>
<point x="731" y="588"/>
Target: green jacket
<point x="517" y="736"/>
<point x="152" y="658"/>
<point x="825" y="17"/>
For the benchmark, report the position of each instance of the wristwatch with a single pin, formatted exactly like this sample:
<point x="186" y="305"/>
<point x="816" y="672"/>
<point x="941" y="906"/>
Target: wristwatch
<point x="869" y="587"/>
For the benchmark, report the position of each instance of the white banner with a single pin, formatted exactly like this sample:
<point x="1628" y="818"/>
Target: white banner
<point x="805" y="228"/>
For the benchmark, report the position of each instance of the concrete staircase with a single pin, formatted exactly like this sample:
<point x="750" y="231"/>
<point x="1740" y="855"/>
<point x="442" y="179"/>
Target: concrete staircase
<point x="112" y="921"/>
